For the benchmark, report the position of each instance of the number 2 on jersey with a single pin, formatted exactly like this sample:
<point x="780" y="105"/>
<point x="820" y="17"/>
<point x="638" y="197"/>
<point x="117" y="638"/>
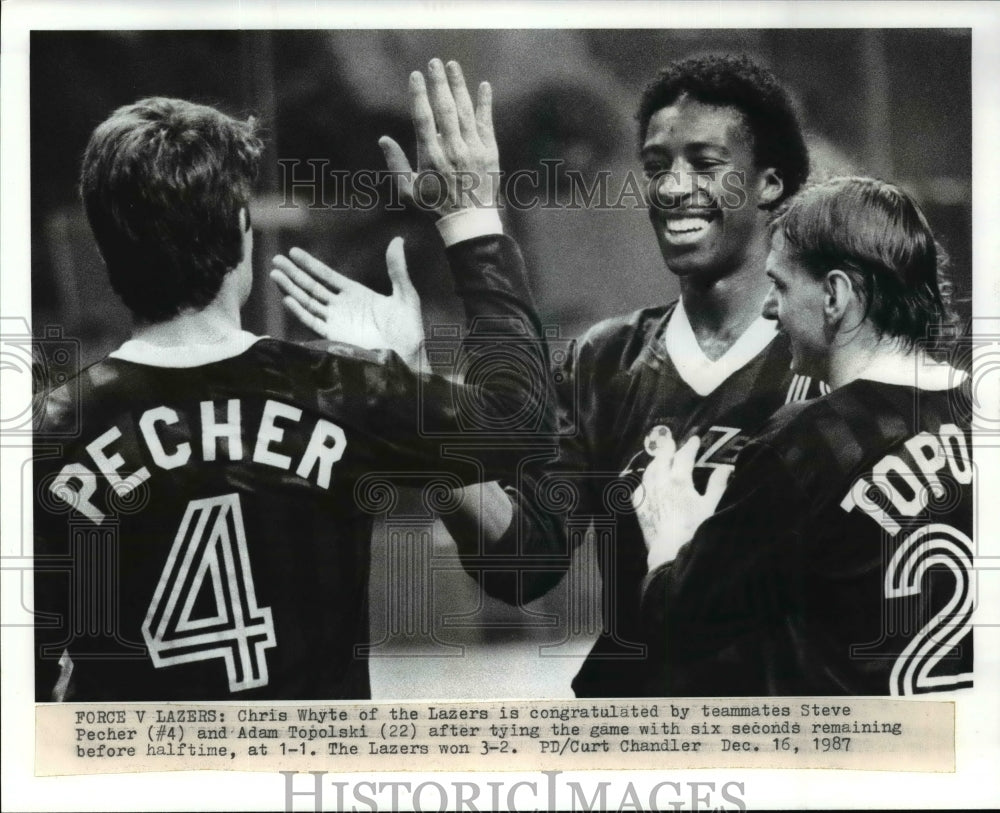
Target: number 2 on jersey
<point x="209" y="566"/>
<point x="942" y="546"/>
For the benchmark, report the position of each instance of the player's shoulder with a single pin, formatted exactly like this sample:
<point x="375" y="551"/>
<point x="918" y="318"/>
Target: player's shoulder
<point x="871" y="410"/>
<point x="269" y="364"/>
<point x="808" y="442"/>
<point x="790" y="422"/>
<point x="621" y="328"/>
<point x="58" y="410"/>
<point x="623" y="337"/>
<point x="327" y="366"/>
<point x="319" y="350"/>
<point x="825" y="438"/>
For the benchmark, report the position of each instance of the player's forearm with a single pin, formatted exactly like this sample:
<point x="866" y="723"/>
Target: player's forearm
<point x="514" y="548"/>
<point x="490" y="278"/>
<point x="503" y="357"/>
<point x="481" y="520"/>
<point x="517" y="554"/>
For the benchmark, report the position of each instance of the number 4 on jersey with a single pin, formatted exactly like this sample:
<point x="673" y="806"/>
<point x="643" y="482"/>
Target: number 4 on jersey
<point x="209" y="567"/>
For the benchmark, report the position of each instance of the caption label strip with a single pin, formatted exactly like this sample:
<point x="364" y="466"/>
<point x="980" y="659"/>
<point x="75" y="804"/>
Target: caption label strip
<point x="528" y="735"/>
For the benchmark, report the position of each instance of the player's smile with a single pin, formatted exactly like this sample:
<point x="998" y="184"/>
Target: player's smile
<point x="687" y="226"/>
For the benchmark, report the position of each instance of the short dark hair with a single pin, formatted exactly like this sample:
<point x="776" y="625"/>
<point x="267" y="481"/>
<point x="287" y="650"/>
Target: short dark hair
<point x="735" y="81"/>
<point x="163" y="182"/>
<point x="877" y="234"/>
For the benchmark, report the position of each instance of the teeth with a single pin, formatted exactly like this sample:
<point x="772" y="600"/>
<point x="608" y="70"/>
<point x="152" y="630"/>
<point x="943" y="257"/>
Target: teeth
<point x="687" y="224"/>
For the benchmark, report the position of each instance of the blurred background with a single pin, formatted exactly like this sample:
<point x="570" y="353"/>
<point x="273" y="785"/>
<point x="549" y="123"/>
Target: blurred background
<point x="891" y="103"/>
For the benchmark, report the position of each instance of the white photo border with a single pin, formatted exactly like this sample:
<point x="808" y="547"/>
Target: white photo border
<point x="976" y="782"/>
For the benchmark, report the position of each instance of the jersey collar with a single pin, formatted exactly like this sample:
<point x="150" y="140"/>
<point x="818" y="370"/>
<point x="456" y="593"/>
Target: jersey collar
<point x="186" y="355"/>
<point x="916" y="370"/>
<point x="698" y="371"/>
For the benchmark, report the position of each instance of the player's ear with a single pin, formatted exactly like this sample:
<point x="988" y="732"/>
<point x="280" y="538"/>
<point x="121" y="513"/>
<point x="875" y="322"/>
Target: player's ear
<point x="770" y="188"/>
<point x="246" y="236"/>
<point x="838" y="295"/>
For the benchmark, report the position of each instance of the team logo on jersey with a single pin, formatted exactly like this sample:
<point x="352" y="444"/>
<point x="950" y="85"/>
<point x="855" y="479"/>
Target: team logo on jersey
<point x="719" y="447"/>
<point x="655" y="439"/>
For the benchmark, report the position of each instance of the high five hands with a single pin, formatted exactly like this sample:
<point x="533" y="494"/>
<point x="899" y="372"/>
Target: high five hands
<point x="342" y="310"/>
<point x="457" y="168"/>
<point x="457" y="159"/>
<point x="667" y="504"/>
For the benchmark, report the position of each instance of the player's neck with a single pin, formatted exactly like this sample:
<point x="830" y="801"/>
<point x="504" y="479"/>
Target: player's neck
<point x="721" y="310"/>
<point x="888" y="361"/>
<point x="216" y="323"/>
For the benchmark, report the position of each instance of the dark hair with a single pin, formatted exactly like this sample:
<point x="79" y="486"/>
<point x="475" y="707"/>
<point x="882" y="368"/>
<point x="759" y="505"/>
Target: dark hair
<point x="735" y="81"/>
<point x="877" y="234"/>
<point x="163" y="182"/>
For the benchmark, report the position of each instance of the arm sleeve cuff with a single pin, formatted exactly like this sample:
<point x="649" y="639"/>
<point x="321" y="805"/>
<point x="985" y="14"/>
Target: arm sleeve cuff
<point x="466" y="224"/>
<point x="654" y="575"/>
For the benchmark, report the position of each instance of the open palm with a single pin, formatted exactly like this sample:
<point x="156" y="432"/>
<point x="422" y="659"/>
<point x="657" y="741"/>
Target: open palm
<point x="343" y="310"/>
<point x="667" y="504"/>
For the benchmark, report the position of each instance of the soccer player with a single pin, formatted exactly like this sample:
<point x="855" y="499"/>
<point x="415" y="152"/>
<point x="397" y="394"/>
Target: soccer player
<point x="200" y="523"/>
<point x="722" y="148"/>
<point x="839" y="558"/>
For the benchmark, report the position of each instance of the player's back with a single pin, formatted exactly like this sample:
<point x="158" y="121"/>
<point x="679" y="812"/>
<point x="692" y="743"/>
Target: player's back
<point x="216" y="546"/>
<point x="886" y="594"/>
<point x="845" y="539"/>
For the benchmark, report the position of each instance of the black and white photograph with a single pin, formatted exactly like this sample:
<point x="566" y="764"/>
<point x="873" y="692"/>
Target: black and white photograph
<point x="436" y="360"/>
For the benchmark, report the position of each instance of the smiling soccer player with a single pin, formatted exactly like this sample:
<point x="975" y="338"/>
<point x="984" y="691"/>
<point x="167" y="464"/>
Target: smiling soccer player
<point x="839" y="560"/>
<point x="722" y="148"/>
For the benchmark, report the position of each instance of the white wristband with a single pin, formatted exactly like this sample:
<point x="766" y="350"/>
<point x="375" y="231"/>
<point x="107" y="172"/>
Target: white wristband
<point x="466" y="224"/>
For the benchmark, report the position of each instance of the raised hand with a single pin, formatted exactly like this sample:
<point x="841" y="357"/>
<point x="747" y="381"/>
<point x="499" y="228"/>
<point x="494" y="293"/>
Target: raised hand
<point x="340" y="309"/>
<point x="458" y="164"/>
<point x="667" y="504"/>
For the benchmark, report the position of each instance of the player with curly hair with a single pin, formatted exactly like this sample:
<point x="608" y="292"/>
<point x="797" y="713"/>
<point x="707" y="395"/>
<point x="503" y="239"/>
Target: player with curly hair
<point x="722" y="148"/>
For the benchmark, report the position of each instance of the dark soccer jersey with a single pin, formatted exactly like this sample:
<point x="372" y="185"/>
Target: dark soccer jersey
<point x="838" y="561"/>
<point x="617" y="392"/>
<point x="205" y="532"/>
